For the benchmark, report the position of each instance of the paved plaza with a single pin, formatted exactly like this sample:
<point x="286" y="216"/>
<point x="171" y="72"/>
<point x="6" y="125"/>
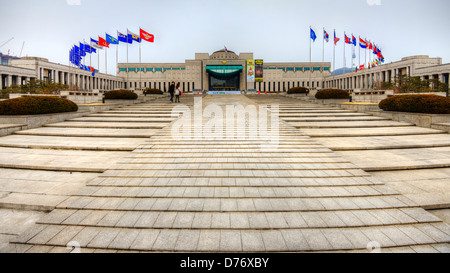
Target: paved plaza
<point x="122" y="181"/>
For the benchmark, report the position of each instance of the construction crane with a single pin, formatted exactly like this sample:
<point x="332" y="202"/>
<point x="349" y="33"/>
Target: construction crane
<point x="20" y="55"/>
<point x="6" y="42"/>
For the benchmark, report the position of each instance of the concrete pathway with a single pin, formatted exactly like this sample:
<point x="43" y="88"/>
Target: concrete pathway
<point x="210" y="194"/>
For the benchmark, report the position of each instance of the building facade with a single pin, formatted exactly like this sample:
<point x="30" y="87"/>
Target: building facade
<point x="222" y="70"/>
<point x="19" y="71"/>
<point x="415" y="66"/>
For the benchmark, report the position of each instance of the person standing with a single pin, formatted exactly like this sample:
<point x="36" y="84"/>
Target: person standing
<point x="172" y="90"/>
<point x="177" y="93"/>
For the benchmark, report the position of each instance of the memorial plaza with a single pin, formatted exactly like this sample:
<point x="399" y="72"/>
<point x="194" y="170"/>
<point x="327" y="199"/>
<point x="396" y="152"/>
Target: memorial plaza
<point x="232" y="172"/>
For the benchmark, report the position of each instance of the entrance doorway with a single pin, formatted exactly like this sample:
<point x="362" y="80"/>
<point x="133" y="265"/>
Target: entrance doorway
<point x="224" y="78"/>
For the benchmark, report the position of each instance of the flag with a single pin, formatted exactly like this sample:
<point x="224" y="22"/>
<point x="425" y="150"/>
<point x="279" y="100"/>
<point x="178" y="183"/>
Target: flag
<point x="362" y="43"/>
<point x="226" y="49"/>
<point x="94" y="43"/>
<point x="370" y="45"/>
<point x="336" y="39"/>
<point x="122" y="37"/>
<point x="361" y="67"/>
<point x="347" y="40"/>
<point x="102" y="42"/>
<point x="111" y="40"/>
<point x="326" y="37"/>
<point x="133" y="37"/>
<point x="82" y="51"/>
<point x="313" y="35"/>
<point x="87" y="48"/>
<point x="353" y="40"/>
<point x="146" y="36"/>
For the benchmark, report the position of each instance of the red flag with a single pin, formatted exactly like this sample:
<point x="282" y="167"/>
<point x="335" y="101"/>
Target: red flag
<point x="147" y="36"/>
<point x="102" y="42"/>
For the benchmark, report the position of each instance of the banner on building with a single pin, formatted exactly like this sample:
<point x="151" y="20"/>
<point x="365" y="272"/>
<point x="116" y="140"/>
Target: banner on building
<point x="250" y="70"/>
<point x="259" y="70"/>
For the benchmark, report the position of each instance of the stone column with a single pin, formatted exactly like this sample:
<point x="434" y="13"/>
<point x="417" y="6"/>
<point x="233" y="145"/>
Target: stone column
<point x="8" y="81"/>
<point x="1" y="81"/>
<point x="56" y="74"/>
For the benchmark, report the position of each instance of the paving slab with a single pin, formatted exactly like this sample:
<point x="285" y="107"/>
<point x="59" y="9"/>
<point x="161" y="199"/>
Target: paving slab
<point x="399" y="159"/>
<point x="377" y="131"/>
<point x="54" y="160"/>
<point x="110" y="125"/>
<point x="71" y="143"/>
<point x="90" y="132"/>
<point x="386" y="142"/>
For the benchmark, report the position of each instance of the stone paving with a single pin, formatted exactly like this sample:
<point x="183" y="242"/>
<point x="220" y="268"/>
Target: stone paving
<point x="231" y="195"/>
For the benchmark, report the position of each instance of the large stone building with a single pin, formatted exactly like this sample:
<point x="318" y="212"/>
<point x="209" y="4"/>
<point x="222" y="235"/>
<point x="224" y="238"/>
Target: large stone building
<point x="25" y="69"/>
<point x="223" y="70"/>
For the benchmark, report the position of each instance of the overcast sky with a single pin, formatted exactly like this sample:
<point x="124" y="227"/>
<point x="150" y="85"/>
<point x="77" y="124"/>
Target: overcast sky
<point x="274" y="30"/>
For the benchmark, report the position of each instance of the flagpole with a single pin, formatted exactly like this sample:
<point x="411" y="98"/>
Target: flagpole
<point x="323" y="53"/>
<point x="334" y="57"/>
<point x="359" y="53"/>
<point x="106" y="60"/>
<point x="117" y="58"/>
<point x="344" y="51"/>
<point x="140" y="62"/>
<point x="310" y="72"/>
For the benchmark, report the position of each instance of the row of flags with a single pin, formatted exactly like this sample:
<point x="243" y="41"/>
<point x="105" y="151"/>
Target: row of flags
<point x="79" y="51"/>
<point x="363" y="43"/>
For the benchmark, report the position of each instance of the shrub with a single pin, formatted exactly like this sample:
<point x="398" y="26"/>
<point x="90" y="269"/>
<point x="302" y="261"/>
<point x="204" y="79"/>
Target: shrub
<point x="36" y="106"/>
<point x="152" y="91"/>
<point x="121" y="95"/>
<point x="298" y="90"/>
<point x="430" y="104"/>
<point x="332" y="94"/>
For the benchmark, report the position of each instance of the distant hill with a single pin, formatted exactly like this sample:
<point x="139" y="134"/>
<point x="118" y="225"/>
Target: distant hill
<point x="341" y="71"/>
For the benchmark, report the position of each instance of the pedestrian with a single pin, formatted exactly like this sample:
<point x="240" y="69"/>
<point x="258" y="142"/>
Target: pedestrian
<point x="177" y="93"/>
<point x="172" y="91"/>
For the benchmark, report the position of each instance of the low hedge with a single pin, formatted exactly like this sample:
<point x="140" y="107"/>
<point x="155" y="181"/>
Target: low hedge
<point x="298" y="90"/>
<point x="120" y="95"/>
<point x="36" y="106"/>
<point x="325" y="94"/>
<point x="429" y="104"/>
<point x="152" y="91"/>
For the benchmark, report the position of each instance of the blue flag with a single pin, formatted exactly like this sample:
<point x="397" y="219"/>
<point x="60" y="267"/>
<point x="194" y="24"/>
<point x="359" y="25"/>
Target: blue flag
<point x="313" y="35"/>
<point x="82" y="50"/>
<point x="111" y="40"/>
<point x="122" y="37"/>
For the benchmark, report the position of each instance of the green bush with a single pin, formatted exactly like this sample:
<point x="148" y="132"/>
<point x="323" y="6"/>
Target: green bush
<point x="429" y="104"/>
<point x="298" y="90"/>
<point x="152" y="91"/>
<point x="120" y="95"/>
<point x="36" y="106"/>
<point x="332" y="94"/>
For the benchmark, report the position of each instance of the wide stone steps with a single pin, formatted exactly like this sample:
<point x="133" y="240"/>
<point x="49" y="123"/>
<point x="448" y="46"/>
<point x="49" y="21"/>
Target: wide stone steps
<point x="109" y="125"/>
<point x="188" y="195"/>
<point x="89" y="132"/>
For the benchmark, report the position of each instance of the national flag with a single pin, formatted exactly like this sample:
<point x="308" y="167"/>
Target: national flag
<point x="94" y="44"/>
<point x="133" y="37"/>
<point x="226" y="49"/>
<point x="313" y="35"/>
<point x="336" y="39"/>
<point x="370" y="45"/>
<point x="362" y="43"/>
<point x="87" y="48"/>
<point x="122" y="37"/>
<point x="146" y="36"/>
<point x="353" y="40"/>
<point x="82" y="51"/>
<point x="111" y="40"/>
<point x="326" y="37"/>
<point x="347" y="39"/>
<point x="102" y="42"/>
<point x="361" y="67"/>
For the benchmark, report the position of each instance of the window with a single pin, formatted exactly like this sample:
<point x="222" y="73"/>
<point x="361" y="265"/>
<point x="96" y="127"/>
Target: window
<point x="132" y="69"/>
<point x="149" y="69"/>
<point x="122" y="70"/>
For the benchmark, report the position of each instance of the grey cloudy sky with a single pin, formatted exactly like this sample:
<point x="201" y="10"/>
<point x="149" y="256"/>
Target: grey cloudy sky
<point x="275" y="30"/>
